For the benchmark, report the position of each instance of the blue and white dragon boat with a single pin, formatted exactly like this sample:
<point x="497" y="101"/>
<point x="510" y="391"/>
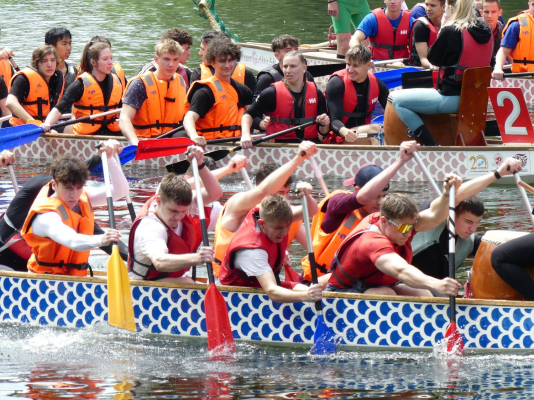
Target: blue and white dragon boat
<point x="365" y="322"/>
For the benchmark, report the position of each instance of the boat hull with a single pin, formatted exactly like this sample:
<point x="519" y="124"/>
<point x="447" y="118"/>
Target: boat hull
<point x="358" y="321"/>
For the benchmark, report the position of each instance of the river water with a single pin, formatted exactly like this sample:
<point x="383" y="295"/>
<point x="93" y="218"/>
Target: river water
<point x="102" y="362"/>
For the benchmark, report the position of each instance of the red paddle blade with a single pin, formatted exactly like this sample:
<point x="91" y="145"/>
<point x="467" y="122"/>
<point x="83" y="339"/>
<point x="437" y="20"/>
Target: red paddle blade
<point x="162" y="147"/>
<point x="220" y="338"/>
<point x="455" y="343"/>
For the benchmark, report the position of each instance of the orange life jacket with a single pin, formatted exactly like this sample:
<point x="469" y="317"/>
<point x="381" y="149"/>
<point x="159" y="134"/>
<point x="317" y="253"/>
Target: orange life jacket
<point x="523" y="54"/>
<point x="222" y="239"/>
<point x="431" y="39"/>
<point x="350" y="98"/>
<point x="49" y="257"/>
<point x="37" y="103"/>
<point x="224" y="118"/>
<point x="117" y="70"/>
<point x="238" y="75"/>
<point x="248" y="236"/>
<point x="283" y="117"/>
<point x="325" y="245"/>
<point x="294" y="228"/>
<point x="184" y="244"/>
<point x="390" y="43"/>
<point x="6" y="72"/>
<point x="164" y="108"/>
<point x="92" y="102"/>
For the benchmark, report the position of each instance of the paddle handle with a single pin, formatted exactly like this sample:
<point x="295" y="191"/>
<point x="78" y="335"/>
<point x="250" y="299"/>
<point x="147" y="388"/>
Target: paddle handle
<point x="13" y="178"/>
<point x="452" y="249"/>
<point x="246" y="178"/>
<point x="131" y="209"/>
<point x="428" y="177"/>
<point x="13" y="64"/>
<point x="518" y="74"/>
<point x="84" y="119"/>
<point x="111" y="211"/>
<point x="524" y="196"/>
<point x="171" y="132"/>
<point x="318" y="175"/>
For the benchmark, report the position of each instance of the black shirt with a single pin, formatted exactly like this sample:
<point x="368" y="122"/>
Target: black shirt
<point x="3" y="88"/>
<point x="250" y="80"/>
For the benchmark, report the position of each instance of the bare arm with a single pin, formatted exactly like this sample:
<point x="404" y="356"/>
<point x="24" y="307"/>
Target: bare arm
<point x="357" y="38"/>
<point x="500" y="60"/>
<point x="165" y="262"/>
<point x="246" y="124"/>
<point x="212" y="190"/>
<point x="422" y="52"/>
<point x="190" y="120"/>
<point x="283" y="295"/>
<point x="12" y="103"/>
<point x="305" y="189"/>
<point x="51" y="119"/>
<point x="3" y="109"/>
<point x="125" y="124"/>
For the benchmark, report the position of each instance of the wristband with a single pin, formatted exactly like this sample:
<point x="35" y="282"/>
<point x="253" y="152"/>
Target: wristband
<point x="496" y="173"/>
<point x="201" y="166"/>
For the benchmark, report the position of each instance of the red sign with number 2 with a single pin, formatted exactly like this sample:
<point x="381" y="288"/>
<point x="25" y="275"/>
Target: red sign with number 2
<point x="512" y="115"/>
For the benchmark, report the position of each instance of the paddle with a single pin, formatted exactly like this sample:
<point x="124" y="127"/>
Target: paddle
<point x="218" y="326"/>
<point x="521" y="186"/>
<point x="393" y="78"/>
<point x="318" y="175"/>
<point x="181" y="167"/>
<point x="18" y="135"/>
<point x="323" y="339"/>
<point x="162" y="147"/>
<point x="455" y="343"/>
<point x="518" y="74"/>
<point x="246" y="178"/>
<point x="13" y="178"/>
<point x="428" y="177"/>
<point x="120" y="307"/>
<point x="131" y="209"/>
<point x="127" y="154"/>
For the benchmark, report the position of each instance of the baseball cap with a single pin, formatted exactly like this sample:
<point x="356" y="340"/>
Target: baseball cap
<point x="364" y="174"/>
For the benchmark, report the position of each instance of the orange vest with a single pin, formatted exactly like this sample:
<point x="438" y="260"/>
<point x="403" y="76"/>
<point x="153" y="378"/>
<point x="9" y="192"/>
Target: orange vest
<point x="224" y="118"/>
<point x="49" y="257"/>
<point x="92" y="102"/>
<point x="6" y="72"/>
<point x="325" y="245"/>
<point x="117" y="70"/>
<point x="221" y="240"/>
<point x="295" y="226"/>
<point x="164" y="108"/>
<point x="37" y="103"/>
<point x="523" y="54"/>
<point x="238" y="75"/>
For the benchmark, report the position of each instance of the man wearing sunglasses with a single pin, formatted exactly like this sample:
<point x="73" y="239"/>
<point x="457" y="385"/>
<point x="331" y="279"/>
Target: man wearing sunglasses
<point x="376" y="257"/>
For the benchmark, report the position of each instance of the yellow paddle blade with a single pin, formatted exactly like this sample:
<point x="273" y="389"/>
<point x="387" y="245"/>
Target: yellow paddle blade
<point x="120" y="307"/>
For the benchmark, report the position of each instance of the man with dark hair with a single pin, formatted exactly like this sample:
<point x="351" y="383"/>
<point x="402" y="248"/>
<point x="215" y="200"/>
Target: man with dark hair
<point x="61" y="40"/>
<point x="185" y="40"/>
<point x="491" y="12"/>
<point x="431" y="248"/>
<point x="216" y="104"/>
<point x="240" y="73"/>
<point x="425" y="32"/>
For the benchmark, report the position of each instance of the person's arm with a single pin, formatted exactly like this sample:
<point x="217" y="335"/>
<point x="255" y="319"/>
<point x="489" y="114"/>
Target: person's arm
<point x="335" y="88"/>
<point x="165" y="262"/>
<point x="126" y="125"/>
<point x="246" y="125"/>
<point x="439" y="208"/>
<point x="211" y="190"/>
<point x="235" y="164"/>
<point x="190" y="120"/>
<point x="12" y="103"/>
<point x="323" y="120"/>
<point x="279" y="294"/>
<point x="422" y="52"/>
<point x="500" y="60"/>
<point x="73" y="94"/>
<point x="394" y="265"/>
<point x="6" y="158"/>
<point x="357" y="38"/>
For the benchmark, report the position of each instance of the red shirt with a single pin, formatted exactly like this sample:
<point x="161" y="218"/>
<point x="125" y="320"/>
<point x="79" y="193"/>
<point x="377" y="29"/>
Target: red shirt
<point x="359" y="257"/>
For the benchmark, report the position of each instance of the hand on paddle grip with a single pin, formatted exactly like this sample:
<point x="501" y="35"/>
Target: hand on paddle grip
<point x="264" y="122"/>
<point x="509" y="166"/>
<point x="315" y="293"/>
<point x="197" y="152"/>
<point x="205" y="254"/>
<point x="200" y="141"/>
<point x="110" y="146"/>
<point x="304" y="189"/>
<point x="451" y="179"/>
<point x="407" y="149"/>
<point x="323" y="120"/>
<point x="111" y="235"/>
<point x="447" y="286"/>
<point x="7" y="158"/>
<point x="237" y="162"/>
<point x="6" y="53"/>
<point x="306" y="149"/>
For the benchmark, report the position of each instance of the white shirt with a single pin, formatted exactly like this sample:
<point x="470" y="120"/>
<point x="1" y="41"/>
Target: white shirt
<point x="253" y="262"/>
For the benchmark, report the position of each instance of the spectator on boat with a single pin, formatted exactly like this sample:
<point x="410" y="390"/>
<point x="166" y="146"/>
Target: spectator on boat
<point x="289" y="103"/>
<point x="255" y="255"/>
<point x="388" y="30"/>
<point x="240" y="73"/>
<point x="376" y="256"/>
<point x="491" y="11"/>
<point x="116" y="68"/>
<point x="216" y="104"/>
<point x="37" y="88"/>
<point x="431" y="248"/>
<point x="163" y="239"/>
<point x="281" y="45"/>
<point x="344" y="13"/>
<point x="341" y="211"/>
<point x="184" y="39"/>
<point x="154" y="103"/>
<point x="61" y="40"/>
<point x="6" y="69"/>
<point x="60" y="224"/>
<point x="463" y="42"/>
<point x="516" y="44"/>
<point x="238" y="206"/>
<point x="425" y="32"/>
<point x="94" y="91"/>
<point x="352" y="95"/>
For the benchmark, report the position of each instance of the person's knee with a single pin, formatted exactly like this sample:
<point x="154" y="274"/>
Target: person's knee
<point x="383" y="291"/>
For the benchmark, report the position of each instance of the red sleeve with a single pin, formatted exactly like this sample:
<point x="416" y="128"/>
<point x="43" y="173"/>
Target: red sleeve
<point x="375" y="246"/>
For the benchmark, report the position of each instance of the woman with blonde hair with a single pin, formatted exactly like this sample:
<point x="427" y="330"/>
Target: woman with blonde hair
<point x="463" y="42"/>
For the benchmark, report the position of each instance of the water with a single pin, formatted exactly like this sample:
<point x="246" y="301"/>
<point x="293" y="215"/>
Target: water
<point x="101" y="362"/>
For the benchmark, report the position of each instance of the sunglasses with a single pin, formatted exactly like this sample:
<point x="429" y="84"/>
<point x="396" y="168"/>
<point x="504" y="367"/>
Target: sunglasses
<point x="403" y="228"/>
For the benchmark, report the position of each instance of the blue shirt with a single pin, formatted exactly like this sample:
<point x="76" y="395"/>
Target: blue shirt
<point x="369" y="25"/>
<point x="418" y="11"/>
<point x="511" y="36"/>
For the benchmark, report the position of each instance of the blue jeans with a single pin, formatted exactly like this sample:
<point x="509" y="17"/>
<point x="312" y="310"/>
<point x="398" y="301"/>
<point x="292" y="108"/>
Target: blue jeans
<point x="407" y="103"/>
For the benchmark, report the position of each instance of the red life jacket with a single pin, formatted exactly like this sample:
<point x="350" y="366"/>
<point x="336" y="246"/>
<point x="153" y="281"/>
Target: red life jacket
<point x="15" y="242"/>
<point x="196" y="224"/>
<point x="350" y="98"/>
<point x="390" y="43"/>
<point x="284" y="115"/>
<point x="249" y="236"/>
<point x="431" y="39"/>
<point x="185" y="244"/>
<point x="183" y="73"/>
<point x="473" y="55"/>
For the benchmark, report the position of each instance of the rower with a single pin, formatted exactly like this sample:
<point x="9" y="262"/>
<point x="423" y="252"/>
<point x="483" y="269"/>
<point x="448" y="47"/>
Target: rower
<point x="341" y="211"/>
<point x="352" y="95"/>
<point x="464" y="42"/>
<point x="491" y="11"/>
<point x="388" y="30"/>
<point x="61" y="40"/>
<point x="95" y="90"/>
<point x="116" y="67"/>
<point x="163" y="239"/>
<point x="215" y="105"/>
<point x="154" y="103"/>
<point x="376" y="256"/>
<point x="516" y="44"/>
<point x="6" y="69"/>
<point x="36" y="89"/>
<point x="425" y="32"/>
<point x="255" y="255"/>
<point x="184" y="39"/>
<point x="288" y="103"/>
<point x="430" y="248"/>
<point x="417" y="11"/>
<point x="240" y="73"/>
<point x="343" y="15"/>
<point x="60" y="225"/>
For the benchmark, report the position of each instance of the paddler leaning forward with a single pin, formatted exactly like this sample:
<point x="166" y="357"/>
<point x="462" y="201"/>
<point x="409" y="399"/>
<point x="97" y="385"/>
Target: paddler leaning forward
<point x="59" y="227"/>
<point x="376" y="257"/>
